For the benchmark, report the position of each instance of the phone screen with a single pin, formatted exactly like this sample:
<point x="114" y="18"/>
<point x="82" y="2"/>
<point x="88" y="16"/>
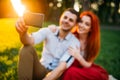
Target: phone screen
<point x="33" y="19"/>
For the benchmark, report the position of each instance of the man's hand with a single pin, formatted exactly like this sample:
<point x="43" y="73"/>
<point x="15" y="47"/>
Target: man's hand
<point x="21" y="27"/>
<point x="57" y="72"/>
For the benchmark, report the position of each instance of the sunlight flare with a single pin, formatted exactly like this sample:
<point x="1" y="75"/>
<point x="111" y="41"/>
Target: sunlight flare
<point x="18" y="6"/>
<point x="76" y="5"/>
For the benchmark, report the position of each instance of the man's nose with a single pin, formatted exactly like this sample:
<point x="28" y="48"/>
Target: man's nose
<point x="66" y="20"/>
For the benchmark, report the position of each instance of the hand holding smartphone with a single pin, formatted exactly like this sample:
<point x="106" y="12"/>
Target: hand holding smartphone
<point x="33" y="19"/>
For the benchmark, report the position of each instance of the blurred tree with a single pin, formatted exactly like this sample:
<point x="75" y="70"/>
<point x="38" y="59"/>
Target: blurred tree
<point x="68" y="3"/>
<point x="107" y="10"/>
<point x="115" y="14"/>
<point x="56" y="7"/>
<point x="86" y="4"/>
<point x="104" y="10"/>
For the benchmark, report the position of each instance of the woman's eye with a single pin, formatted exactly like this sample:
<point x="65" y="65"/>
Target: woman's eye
<point x="87" y="24"/>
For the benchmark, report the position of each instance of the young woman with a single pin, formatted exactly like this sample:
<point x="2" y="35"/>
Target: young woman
<point x="88" y="33"/>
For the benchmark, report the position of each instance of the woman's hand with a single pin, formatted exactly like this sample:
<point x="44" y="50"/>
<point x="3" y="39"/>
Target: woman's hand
<point x="75" y="52"/>
<point x="52" y="27"/>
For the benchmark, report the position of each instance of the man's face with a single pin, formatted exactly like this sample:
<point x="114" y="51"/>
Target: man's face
<point x="67" y="21"/>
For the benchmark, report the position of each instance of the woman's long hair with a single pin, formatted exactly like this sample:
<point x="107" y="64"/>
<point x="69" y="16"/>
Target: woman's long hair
<point x="93" y="40"/>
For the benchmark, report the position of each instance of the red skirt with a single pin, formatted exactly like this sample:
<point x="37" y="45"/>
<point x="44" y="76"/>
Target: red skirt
<point x="75" y="72"/>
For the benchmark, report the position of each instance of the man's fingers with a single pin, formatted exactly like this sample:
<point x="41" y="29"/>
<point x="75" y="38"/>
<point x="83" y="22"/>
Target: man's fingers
<point x="22" y="21"/>
<point x="20" y="26"/>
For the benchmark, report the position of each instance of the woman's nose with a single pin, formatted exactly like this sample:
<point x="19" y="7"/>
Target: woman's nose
<point x="81" y="24"/>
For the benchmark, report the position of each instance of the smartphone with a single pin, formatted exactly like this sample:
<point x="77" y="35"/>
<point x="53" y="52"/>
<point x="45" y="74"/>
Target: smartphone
<point x="33" y="19"/>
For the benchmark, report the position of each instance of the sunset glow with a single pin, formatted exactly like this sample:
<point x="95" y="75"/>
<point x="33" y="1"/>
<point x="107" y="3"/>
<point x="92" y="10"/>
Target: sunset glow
<point x="18" y="6"/>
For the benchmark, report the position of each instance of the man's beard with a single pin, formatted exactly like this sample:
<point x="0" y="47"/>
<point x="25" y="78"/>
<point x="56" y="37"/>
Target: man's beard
<point x="68" y="30"/>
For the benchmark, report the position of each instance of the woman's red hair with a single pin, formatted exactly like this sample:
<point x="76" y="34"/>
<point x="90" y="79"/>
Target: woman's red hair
<point x="93" y="40"/>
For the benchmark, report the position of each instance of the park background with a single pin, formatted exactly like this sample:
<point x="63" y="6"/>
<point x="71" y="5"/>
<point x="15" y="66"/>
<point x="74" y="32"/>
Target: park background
<point x="108" y="12"/>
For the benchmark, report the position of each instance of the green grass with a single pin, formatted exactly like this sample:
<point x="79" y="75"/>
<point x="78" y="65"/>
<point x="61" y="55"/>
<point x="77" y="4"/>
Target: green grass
<point x="9" y="47"/>
<point x="10" y="44"/>
<point x="110" y="48"/>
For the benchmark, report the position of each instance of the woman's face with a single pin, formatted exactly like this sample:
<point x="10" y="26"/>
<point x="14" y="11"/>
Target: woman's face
<point x="84" y="26"/>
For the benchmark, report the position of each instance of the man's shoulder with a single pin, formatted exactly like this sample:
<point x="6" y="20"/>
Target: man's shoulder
<point x="74" y="37"/>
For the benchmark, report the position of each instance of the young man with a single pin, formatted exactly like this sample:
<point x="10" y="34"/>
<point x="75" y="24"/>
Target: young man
<point x="55" y="57"/>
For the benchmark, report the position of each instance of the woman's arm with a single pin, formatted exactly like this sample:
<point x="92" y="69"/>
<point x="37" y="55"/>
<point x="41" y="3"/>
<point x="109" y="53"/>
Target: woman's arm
<point x="76" y="54"/>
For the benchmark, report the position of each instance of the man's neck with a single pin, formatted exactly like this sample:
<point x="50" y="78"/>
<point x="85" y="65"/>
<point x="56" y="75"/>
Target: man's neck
<point x="63" y="34"/>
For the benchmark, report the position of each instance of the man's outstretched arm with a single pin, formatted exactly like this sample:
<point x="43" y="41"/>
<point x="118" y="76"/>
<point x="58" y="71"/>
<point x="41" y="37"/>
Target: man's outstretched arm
<point x="22" y="29"/>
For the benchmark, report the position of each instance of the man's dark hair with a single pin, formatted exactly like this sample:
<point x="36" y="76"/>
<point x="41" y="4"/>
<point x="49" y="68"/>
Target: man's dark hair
<point x="74" y="12"/>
